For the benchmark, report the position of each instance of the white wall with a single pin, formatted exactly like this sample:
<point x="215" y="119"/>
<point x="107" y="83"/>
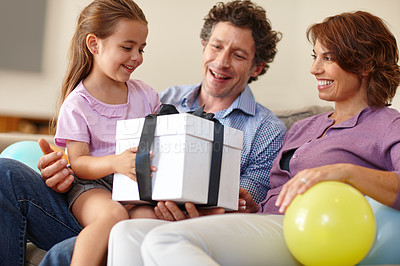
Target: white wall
<point x="173" y="55"/>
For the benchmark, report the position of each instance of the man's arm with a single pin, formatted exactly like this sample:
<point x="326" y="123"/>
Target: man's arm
<point x="53" y="168"/>
<point x="256" y="167"/>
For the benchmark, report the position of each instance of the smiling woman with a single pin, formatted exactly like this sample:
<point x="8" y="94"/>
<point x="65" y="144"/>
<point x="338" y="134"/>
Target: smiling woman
<point x="346" y="89"/>
<point x="354" y="53"/>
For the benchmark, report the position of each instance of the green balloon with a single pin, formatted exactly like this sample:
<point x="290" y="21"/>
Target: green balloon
<point x="27" y="152"/>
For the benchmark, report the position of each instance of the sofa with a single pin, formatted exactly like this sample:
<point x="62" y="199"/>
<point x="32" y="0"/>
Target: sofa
<point x="35" y="254"/>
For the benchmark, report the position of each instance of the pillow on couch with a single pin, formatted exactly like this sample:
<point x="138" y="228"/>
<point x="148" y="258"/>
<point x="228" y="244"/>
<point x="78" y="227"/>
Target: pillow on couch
<point x="290" y="116"/>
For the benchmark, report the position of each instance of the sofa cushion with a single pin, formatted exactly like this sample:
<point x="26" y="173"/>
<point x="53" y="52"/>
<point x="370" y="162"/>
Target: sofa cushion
<point x="290" y="116"/>
<point x="34" y="255"/>
<point x="6" y="139"/>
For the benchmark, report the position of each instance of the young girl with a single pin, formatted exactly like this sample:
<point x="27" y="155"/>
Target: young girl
<point x="106" y="48"/>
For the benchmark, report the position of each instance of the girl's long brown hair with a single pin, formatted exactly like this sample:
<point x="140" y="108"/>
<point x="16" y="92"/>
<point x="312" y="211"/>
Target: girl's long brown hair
<point x="99" y="18"/>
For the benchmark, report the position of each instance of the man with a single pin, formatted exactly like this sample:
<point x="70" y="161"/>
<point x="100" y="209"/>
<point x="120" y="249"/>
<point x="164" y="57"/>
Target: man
<point x="235" y="53"/>
<point x="238" y="47"/>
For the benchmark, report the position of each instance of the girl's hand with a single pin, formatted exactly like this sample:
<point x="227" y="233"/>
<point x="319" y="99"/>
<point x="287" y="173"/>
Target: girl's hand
<point x="308" y="178"/>
<point x="125" y="163"/>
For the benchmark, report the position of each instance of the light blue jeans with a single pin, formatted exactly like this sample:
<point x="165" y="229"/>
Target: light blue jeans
<point x="60" y="254"/>
<point x="29" y="210"/>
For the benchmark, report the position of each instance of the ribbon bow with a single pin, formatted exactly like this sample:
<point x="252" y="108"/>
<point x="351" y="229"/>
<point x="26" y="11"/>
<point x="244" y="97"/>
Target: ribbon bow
<point x="143" y="173"/>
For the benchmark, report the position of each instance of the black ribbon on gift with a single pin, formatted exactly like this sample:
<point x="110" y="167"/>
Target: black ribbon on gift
<point x="143" y="173"/>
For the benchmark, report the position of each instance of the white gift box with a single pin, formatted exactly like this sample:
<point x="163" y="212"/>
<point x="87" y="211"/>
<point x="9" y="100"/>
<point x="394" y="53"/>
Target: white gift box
<point x="182" y="148"/>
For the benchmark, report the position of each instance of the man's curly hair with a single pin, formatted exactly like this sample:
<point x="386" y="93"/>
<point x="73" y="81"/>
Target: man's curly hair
<point x="249" y="15"/>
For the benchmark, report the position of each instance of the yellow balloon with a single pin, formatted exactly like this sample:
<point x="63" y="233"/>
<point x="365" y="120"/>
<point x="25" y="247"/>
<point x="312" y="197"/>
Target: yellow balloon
<point x="56" y="148"/>
<point x="330" y="224"/>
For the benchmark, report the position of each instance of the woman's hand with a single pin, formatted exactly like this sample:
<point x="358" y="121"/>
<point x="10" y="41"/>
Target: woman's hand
<point x="246" y="202"/>
<point x="308" y="178"/>
<point x="53" y="168"/>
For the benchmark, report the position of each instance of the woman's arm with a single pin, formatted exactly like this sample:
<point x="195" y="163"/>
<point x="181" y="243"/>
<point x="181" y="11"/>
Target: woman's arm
<point x="383" y="186"/>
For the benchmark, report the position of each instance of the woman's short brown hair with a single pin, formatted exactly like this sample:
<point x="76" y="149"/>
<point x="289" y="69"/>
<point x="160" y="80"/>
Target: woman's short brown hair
<point x="359" y="42"/>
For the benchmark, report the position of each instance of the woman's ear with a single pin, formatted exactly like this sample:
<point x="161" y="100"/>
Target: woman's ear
<point x="91" y="43"/>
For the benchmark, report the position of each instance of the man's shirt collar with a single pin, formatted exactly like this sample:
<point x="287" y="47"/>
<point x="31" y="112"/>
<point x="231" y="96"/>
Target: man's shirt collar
<point x="245" y="102"/>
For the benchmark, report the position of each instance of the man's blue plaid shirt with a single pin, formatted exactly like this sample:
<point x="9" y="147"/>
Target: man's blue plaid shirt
<point x="263" y="133"/>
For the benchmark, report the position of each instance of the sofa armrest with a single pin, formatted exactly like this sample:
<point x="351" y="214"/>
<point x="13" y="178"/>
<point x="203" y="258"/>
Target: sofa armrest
<point x="6" y="139"/>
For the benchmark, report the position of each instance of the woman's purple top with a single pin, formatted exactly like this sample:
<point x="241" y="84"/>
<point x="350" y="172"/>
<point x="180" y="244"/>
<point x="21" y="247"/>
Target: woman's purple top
<point x="370" y="139"/>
